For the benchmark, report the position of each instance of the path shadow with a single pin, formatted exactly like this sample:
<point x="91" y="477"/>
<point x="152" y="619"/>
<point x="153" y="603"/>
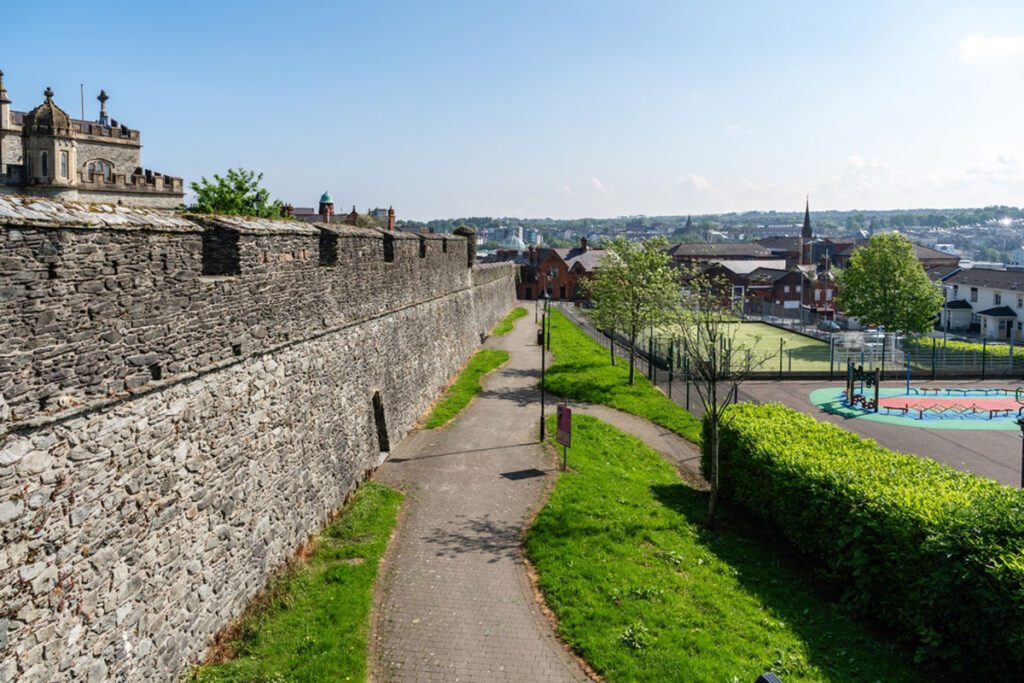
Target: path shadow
<point x="482" y="536"/>
<point x="521" y="396"/>
<point x="759" y="557"/>
<point x="469" y="450"/>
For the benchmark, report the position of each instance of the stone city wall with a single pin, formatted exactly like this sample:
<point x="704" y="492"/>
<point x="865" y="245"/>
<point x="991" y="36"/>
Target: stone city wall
<point x="168" y="439"/>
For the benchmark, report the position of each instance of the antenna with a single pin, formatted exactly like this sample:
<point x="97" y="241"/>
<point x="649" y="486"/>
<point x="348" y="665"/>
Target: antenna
<point x="81" y="90"/>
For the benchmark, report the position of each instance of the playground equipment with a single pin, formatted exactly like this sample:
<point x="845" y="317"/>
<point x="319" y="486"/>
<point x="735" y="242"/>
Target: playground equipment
<point x="867" y="378"/>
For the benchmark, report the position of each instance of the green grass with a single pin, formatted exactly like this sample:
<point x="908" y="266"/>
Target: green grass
<point x="799" y="352"/>
<point x="582" y="370"/>
<point x="506" y="325"/>
<point x="644" y="593"/>
<point x="466" y="386"/>
<point x="312" y="623"/>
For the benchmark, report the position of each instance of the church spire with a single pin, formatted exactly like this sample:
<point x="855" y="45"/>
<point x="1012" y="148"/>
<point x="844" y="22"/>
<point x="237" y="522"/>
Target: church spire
<point x="807" y="233"/>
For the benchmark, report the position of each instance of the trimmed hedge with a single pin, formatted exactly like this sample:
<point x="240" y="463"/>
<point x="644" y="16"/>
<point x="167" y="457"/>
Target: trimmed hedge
<point x="933" y="553"/>
<point x="1000" y="351"/>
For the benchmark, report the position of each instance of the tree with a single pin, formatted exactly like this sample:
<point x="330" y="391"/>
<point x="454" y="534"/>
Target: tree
<point x="717" y="361"/>
<point x="237" y="194"/>
<point x="635" y="285"/>
<point x="884" y="284"/>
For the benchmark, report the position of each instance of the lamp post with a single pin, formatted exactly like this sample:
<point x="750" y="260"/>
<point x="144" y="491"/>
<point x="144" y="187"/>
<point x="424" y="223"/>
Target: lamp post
<point x="543" y="359"/>
<point x="1020" y="423"/>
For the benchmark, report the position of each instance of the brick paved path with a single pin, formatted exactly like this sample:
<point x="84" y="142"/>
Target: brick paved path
<point x="454" y="602"/>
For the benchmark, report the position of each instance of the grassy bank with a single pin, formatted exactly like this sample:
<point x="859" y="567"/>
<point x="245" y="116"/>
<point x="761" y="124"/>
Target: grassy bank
<point x="312" y="623"/>
<point x="644" y="593"/>
<point x="582" y="370"/>
<point x="508" y="322"/>
<point x="466" y="386"/>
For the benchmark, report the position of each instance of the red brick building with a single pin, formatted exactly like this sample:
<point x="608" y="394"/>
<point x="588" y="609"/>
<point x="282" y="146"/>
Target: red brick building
<point x="559" y="271"/>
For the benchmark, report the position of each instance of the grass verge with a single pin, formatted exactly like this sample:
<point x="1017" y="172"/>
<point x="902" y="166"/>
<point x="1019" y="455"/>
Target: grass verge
<point x="312" y="622"/>
<point x="583" y="371"/>
<point x="465" y="387"/>
<point x="644" y="593"/>
<point x="508" y="322"/>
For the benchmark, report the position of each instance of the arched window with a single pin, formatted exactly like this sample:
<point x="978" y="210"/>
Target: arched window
<point x="100" y="166"/>
<point x="44" y="165"/>
<point x="63" y="164"/>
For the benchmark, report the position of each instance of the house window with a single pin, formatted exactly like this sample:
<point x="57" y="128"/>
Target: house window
<point x="974" y="295"/>
<point x="44" y="165"/>
<point x="828" y="295"/>
<point x="997" y="299"/>
<point x="63" y="164"/>
<point x="956" y="290"/>
<point x="798" y="288"/>
<point x="100" y="166"/>
<point x="817" y="295"/>
<point x="1020" y="301"/>
<point x="785" y="289"/>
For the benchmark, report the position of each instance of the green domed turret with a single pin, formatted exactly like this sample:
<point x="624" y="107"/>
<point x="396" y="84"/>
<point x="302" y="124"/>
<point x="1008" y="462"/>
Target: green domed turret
<point x="325" y="198"/>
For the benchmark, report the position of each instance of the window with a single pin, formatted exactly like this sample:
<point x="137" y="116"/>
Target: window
<point x="44" y="165"/>
<point x="785" y="289"/>
<point x="100" y="166"/>
<point x="1020" y="301"/>
<point x="828" y="295"/>
<point x="974" y="295"/>
<point x="956" y="290"/>
<point x="817" y="295"/>
<point x="997" y="299"/>
<point x="63" y="164"/>
<point x="798" y="288"/>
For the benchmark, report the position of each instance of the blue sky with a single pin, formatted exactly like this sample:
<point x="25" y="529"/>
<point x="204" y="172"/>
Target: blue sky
<point x="557" y="109"/>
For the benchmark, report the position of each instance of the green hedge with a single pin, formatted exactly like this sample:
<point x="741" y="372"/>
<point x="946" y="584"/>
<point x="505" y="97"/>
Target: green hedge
<point x="991" y="350"/>
<point x="933" y="553"/>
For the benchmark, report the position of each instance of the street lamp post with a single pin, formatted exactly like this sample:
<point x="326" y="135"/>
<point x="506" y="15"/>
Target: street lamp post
<point x="543" y="359"/>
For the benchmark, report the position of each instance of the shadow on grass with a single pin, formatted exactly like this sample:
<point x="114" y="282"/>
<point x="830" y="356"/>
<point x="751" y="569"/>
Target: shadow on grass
<point x="800" y="599"/>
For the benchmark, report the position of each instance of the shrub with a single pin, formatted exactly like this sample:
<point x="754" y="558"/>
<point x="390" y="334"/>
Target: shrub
<point x="931" y="552"/>
<point x="961" y="348"/>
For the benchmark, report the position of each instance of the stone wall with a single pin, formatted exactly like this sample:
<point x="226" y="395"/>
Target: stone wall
<point x="123" y="155"/>
<point x="142" y="508"/>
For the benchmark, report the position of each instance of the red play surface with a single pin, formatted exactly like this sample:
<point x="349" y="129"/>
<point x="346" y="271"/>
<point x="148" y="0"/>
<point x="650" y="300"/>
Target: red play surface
<point x="926" y="402"/>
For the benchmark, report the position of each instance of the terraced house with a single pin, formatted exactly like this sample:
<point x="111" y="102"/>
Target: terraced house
<point x="988" y="302"/>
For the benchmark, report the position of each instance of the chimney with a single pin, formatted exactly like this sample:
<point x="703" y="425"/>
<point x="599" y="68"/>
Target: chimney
<point x="391" y="219"/>
<point x="583" y="243"/>
<point x="287" y="211"/>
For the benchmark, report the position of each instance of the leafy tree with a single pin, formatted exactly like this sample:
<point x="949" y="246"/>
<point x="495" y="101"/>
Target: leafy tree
<point x="238" y="193"/>
<point x="635" y="285"/>
<point x="885" y="284"/>
<point x="718" y="361"/>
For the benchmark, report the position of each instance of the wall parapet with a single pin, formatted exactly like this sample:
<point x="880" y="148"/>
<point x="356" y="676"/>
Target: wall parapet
<point x="98" y="302"/>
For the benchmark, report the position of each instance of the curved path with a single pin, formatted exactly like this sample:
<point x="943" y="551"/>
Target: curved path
<point x="454" y="602"/>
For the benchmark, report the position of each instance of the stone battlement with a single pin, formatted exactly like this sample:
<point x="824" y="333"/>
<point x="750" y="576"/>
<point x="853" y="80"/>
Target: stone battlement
<point x="99" y="301"/>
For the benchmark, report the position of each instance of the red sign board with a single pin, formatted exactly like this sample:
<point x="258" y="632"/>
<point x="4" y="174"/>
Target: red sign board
<point x="564" y="435"/>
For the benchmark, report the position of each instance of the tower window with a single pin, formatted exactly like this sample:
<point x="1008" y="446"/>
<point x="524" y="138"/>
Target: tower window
<point x="100" y="166"/>
<point x="63" y="164"/>
<point x="44" y="165"/>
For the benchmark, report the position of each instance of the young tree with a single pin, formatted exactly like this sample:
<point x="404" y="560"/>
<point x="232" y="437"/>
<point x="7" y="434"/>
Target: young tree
<point x="885" y="284"/>
<point x="238" y="194"/>
<point x="717" y="361"/>
<point x="636" y="286"/>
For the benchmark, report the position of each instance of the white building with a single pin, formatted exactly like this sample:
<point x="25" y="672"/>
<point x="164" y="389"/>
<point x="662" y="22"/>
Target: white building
<point x="990" y="302"/>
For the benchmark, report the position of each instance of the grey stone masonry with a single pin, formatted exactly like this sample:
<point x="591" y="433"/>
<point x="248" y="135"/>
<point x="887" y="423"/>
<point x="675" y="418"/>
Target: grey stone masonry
<point x="168" y="438"/>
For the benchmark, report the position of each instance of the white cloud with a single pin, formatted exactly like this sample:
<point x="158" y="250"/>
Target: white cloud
<point x="601" y="188"/>
<point x="563" y="189"/>
<point x="980" y="46"/>
<point x="736" y="129"/>
<point x="697" y="183"/>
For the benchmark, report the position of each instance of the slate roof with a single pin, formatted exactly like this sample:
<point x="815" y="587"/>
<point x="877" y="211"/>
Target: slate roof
<point x="1012" y="280"/>
<point x="958" y="304"/>
<point x="719" y="249"/>
<point x="999" y="312"/>
<point x="587" y="258"/>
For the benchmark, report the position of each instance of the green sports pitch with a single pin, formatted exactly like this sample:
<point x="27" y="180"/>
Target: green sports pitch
<point x="799" y="352"/>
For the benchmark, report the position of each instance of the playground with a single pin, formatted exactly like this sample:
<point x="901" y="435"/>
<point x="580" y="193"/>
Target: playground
<point x="955" y="428"/>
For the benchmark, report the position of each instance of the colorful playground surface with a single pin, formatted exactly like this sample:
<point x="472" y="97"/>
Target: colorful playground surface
<point x="932" y="408"/>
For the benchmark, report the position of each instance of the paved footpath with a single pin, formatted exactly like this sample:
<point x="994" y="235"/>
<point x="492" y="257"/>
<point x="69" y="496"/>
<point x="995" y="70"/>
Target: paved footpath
<point x="454" y="602"/>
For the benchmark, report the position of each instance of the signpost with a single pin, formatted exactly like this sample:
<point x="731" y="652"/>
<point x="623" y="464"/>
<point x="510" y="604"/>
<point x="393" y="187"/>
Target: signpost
<point x="564" y="433"/>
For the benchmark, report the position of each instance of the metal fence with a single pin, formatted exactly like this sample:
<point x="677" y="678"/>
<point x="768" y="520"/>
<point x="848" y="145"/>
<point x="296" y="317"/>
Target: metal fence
<point x="825" y="356"/>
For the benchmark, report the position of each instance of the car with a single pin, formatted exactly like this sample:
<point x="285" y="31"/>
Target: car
<point x="829" y="326"/>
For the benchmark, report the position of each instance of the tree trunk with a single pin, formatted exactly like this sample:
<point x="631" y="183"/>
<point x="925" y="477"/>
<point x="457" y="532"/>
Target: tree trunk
<point x="632" y="354"/>
<point x="611" y="344"/>
<point x="713" y="479"/>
